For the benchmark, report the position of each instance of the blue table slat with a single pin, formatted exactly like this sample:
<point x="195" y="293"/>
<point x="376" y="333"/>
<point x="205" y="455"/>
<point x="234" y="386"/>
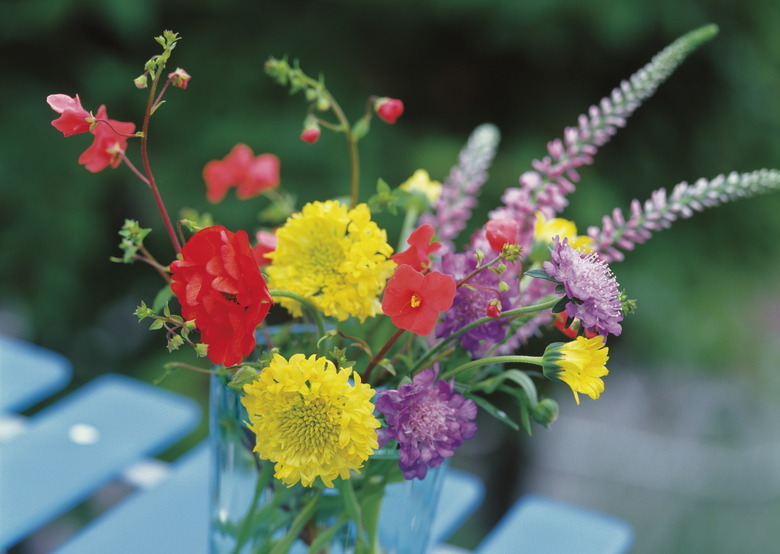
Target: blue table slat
<point x="80" y="443"/>
<point x="182" y="503"/>
<point x="172" y="517"/>
<point x="542" y="525"/>
<point x="29" y="373"/>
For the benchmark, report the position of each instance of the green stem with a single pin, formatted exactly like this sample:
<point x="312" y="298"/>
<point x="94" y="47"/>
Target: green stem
<point x="535" y="360"/>
<point x="316" y="316"/>
<point x="381" y="353"/>
<point x="246" y="525"/>
<point x="303" y="517"/>
<point x="354" y="162"/>
<point x="147" y="167"/>
<point x="525" y="310"/>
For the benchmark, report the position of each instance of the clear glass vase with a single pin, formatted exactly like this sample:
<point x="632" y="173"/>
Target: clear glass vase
<point x="251" y="512"/>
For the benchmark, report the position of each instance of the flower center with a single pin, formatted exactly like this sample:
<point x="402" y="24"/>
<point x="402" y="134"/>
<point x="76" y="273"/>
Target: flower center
<point x="415" y="301"/>
<point x="310" y="426"/>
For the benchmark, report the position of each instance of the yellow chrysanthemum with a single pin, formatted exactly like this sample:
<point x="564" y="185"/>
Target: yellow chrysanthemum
<point x="580" y="364"/>
<point x="420" y="181"/>
<point x="545" y="230"/>
<point x="310" y="421"/>
<point x="335" y="257"/>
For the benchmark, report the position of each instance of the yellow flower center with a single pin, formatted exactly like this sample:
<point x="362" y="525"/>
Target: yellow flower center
<point x="415" y="301"/>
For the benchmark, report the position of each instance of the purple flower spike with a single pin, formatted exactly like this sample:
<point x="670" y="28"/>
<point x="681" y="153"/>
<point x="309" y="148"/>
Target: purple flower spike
<point x="429" y="420"/>
<point x="590" y="286"/>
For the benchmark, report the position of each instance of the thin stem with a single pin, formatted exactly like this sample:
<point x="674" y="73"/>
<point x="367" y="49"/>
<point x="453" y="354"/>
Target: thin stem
<point x="525" y="310"/>
<point x="535" y="360"/>
<point x="354" y="162"/>
<point x="148" y="170"/>
<point x="306" y="303"/>
<point x="478" y="270"/>
<point x="134" y="169"/>
<point x="381" y="354"/>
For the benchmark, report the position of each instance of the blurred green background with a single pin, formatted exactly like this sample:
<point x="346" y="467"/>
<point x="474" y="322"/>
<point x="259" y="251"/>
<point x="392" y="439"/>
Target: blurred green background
<point x="709" y="307"/>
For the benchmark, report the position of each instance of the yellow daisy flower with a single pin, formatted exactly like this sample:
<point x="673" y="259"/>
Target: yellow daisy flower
<point x="335" y="257"/>
<point x="309" y="420"/>
<point x="580" y="364"/>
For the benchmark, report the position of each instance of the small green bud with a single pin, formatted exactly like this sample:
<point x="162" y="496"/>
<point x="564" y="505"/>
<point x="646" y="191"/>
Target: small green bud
<point x="174" y="343"/>
<point x="323" y="104"/>
<point x="201" y="349"/>
<point x="140" y="81"/>
<point x="545" y="412"/>
<point x="243" y="376"/>
<point x="503" y="287"/>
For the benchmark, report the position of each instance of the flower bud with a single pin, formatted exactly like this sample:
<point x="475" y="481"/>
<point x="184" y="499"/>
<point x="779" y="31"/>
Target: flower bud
<point x="140" y="81"/>
<point x="389" y="109"/>
<point x="179" y="78"/>
<point x="545" y="412"/>
<point x="501" y="231"/>
<point x="494" y="308"/>
<point x="311" y="134"/>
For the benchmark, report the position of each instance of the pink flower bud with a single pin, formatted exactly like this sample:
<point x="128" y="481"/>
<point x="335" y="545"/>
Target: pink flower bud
<point x="501" y="231"/>
<point x="310" y="134"/>
<point x="179" y="78"/>
<point x="494" y="308"/>
<point x="389" y="109"/>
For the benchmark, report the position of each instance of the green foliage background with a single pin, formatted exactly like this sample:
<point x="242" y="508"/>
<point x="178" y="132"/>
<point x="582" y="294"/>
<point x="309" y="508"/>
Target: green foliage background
<point x="706" y="289"/>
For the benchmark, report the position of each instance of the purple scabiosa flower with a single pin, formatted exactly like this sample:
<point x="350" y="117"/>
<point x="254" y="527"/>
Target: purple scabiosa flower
<point x="469" y="304"/>
<point x="590" y="286"/>
<point x="429" y="420"/>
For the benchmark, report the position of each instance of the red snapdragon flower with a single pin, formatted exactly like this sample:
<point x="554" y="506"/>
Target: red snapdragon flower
<point x="109" y="144"/>
<point x="74" y="118"/>
<point x="241" y="168"/>
<point x="311" y="134"/>
<point x="418" y="255"/>
<point x="501" y="231"/>
<point x="389" y="109"/>
<point x="219" y="285"/>
<point x="266" y="243"/>
<point x="413" y="300"/>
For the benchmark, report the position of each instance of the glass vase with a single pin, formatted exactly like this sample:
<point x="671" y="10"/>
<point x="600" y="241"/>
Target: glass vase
<point x="252" y="512"/>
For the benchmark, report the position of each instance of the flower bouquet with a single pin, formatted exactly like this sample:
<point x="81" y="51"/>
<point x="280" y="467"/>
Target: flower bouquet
<point x="372" y="375"/>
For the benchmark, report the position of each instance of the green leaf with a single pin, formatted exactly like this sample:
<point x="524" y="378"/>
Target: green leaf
<point x="540" y="274"/>
<point x="360" y="128"/>
<point x="560" y="305"/>
<point x="156" y="324"/>
<point x="497" y="413"/>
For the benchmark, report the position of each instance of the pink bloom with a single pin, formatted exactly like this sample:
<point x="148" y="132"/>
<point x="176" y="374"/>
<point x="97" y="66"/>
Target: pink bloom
<point x="179" y="78"/>
<point x="310" y="134"/>
<point x="109" y="144"/>
<point x="74" y="118"/>
<point x="389" y="109"/>
<point x="418" y="255"/>
<point x="266" y="243"/>
<point x="241" y="168"/>
<point x="413" y="300"/>
<point x="501" y="231"/>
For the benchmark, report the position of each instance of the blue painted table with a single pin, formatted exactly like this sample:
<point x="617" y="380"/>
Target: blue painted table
<point x="60" y="456"/>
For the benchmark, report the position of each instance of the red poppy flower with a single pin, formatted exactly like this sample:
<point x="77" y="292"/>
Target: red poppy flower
<point x="389" y="109"/>
<point x="418" y="255"/>
<point x="74" y="118"/>
<point x="241" y="168"/>
<point x="110" y="141"/>
<point x="413" y="300"/>
<point x="219" y="285"/>
<point x="501" y="231"/>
